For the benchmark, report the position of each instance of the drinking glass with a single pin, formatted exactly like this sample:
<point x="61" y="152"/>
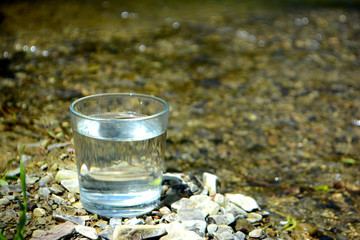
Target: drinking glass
<point x="119" y="141"/>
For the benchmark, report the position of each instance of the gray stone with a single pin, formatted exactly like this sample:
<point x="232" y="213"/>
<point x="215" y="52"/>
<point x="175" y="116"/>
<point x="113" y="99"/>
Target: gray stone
<point x="235" y="210"/>
<point x="256" y="233"/>
<point x="190" y="214"/>
<point x="88" y="232"/>
<point x="44" y="192"/>
<point x="72" y="185"/>
<point x="182" y="203"/>
<point x="224" y="232"/>
<point x="254" y="217"/>
<point x="245" y="202"/>
<point x="138" y="231"/>
<point x="4" y="201"/>
<point x="239" y="236"/>
<point x="49" y="178"/>
<point x="107" y="234"/>
<point x="8" y="215"/>
<point x="63" y="217"/>
<point x="225" y="219"/>
<point x="59" y="200"/>
<point x="55" y="188"/>
<point x="31" y="180"/>
<point x="60" y="231"/>
<point x="198" y="226"/>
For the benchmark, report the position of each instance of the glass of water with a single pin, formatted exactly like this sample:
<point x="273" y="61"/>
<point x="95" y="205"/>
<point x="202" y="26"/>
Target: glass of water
<point x="119" y="141"/>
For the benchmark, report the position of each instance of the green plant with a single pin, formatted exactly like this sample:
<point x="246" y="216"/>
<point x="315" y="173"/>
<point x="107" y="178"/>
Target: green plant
<point x="22" y="219"/>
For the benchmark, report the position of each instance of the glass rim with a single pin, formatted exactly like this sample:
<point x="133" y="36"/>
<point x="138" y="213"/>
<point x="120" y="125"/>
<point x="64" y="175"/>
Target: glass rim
<point x="163" y="112"/>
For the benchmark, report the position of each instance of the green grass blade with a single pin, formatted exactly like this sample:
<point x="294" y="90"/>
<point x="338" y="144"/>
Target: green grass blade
<point x="22" y="219"/>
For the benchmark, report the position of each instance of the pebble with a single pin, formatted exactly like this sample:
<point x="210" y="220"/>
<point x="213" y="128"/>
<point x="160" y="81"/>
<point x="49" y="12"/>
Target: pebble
<point x="256" y="233"/>
<point x="74" y="219"/>
<point x="254" y="217"/>
<point x="31" y="180"/>
<point x="210" y="181"/>
<point x="245" y="202"/>
<point x="224" y="232"/>
<point x="59" y="200"/>
<point x="72" y="185"/>
<point x="239" y="236"/>
<point x="88" y="232"/>
<point x="4" y="201"/>
<point x="49" y="178"/>
<point x="39" y="212"/>
<point x="140" y="231"/>
<point x="115" y="222"/>
<point x="56" y="189"/>
<point x="190" y="214"/>
<point x="226" y="219"/>
<point x="243" y="225"/>
<point x="135" y="221"/>
<point x="176" y="230"/>
<point x="66" y="175"/>
<point x="197" y="226"/>
<point x="44" y="192"/>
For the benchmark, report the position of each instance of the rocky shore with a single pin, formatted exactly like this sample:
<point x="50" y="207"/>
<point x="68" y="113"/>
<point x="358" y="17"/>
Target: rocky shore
<point x="190" y="208"/>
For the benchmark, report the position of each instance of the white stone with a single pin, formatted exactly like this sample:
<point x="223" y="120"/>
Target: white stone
<point x="245" y="202"/>
<point x="65" y="175"/>
<point x="210" y="181"/>
<point x="88" y="232"/>
<point x="176" y="230"/>
<point x="72" y="185"/>
<point x="256" y="233"/>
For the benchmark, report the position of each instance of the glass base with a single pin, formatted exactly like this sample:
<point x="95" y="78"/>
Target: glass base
<point x="114" y="211"/>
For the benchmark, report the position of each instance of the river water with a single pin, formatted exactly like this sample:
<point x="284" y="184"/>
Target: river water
<point x="265" y="94"/>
